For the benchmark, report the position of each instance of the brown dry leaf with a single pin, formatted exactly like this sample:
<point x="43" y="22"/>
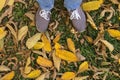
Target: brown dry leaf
<point x="1" y="44"/>
<point x="33" y="40"/>
<point x="114" y="33"/>
<point x="115" y="1"/>
<point x="81" y="78"/>
<point x="2" y="33"/>
<point x="8" y="76"/>
<point x="83" y="67"/>
<point x="71" y="45"/>
<point x="39" y="45"/>
<point x="22" y="32"/>
<point x="107" y="44"/>
<point x="90" y="20"/>
<point x="57" y="38"/>
<point x="44" y="62"/>
<point x="47" y="46"/>
<point x="10" y="2"/>
<point x="27" y="67"/>
<point x="34" y="74"/>
<point x="4" y="68"/>
<point x="2" y="4"/>
<point x="66" y="55"/>
<point x="14" y="33"/>
<point x="42" y="77"/>
<point x="56" y="61"/>
<point x="68" y="76"/>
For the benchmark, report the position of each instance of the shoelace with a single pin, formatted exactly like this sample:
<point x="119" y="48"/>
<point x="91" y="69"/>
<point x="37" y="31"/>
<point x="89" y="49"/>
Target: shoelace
<point x="75" y="15"/>
<point x="45" y="14"/>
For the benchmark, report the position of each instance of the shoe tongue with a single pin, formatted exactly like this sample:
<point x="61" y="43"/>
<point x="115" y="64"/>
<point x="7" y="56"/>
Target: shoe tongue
<point x="75" y="14"/>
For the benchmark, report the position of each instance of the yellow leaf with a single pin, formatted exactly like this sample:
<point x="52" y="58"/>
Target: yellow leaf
<point x="57" y="46"/>
<point x="107" y="44"/>
<point x="92" y="5"/>
<point x="22" y="32"/>
<point x="114" y="33"/>
<point x="119" y="61"/>
<point x="10" y="2"/>
<point x="71" y="45"/>
<point x="68" y="76"/>
<point x="66" y="55"/>
<point x="33" y="40"/>
<point x="8" y="76"/>
<point x="56" y="61"/>
<point x="44" y="62"/>
<point x="47" y="46"/>
<point x="38" y="45"/>
<point x="2" y="3"/>
<point x="57" y="38"/>
<point x="34" y="74"/>
<point x="83" y="67"/>
<point x="27" y="67"/>
<point x="2" y="33"/>
<point x="101" y="1"/>
<point x="89" y="39"/>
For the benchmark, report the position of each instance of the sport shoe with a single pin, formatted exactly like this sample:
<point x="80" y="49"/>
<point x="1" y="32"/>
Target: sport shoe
<point x="42" y="20"/>
<point x="78" y="19"/>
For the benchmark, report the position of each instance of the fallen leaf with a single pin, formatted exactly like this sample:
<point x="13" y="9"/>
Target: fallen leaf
<point x="119" y="61"/>
<point x="1" y="44"/>
<point x="4" y="68"/>
<point x="39" y="45"/>
<point x="68" y="76"/>
<point x="10" y="2"/>
<point x="92" y="5"/>
<point x="27" y="67"/>
<point x="8" y="76"/>
<point x="114" y="33"/>
<point x="89" y="39"/>
<point x="66" y="55"/>
<point x="56" y="61"/>
<point x="107" y="44"/>
<point x="33" y="40"/>
<point x="81" y="78"/>
<point x="57" y="38"/>
<point x="57" y="46"/>
<point x="71" y="45"/>
<point x="2" y="33"/>
<point x="22" y="32"/>
<point x="42" y="77"/>
<point x="83" y="67"/>
<point x="44" y="62"/>
<point x="47" y="46"/>
<point x="2" y="4"/>
<point x="34" y="74"/>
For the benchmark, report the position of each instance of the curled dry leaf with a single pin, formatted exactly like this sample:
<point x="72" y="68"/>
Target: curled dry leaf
<point x="34" y="74"/>
<point x="107" y="44"/>
<point x="33" y="40"/>
<point x="83" y="67"/>
<point x="92" y="5"/>
<point x="10" y="2"/>
<point x="39" y="45"/>
<point x="8" y="76"/>
<point x="4" y="68"/>
<point x="68" y="76"/>
<point x="71" y="45"/>
<point x="1" y="44"/>
<point x="44" y="62"/>
<point x="115" y="1"/>
<point x="90" y="20"/>
<point x="47" y="46"/>
<point x="2" y="4"/>
<point x="66" y="55"/>
<point x="22" y="32"/>
<point x="56" y="61"/>
<point x="2" y="33"/>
